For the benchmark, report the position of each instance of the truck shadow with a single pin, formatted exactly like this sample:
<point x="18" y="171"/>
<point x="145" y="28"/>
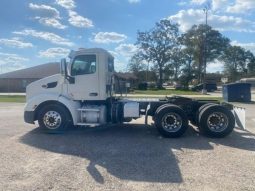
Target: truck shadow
<point x="131" y="152"/>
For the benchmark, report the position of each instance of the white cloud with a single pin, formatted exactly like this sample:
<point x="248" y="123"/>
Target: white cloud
<point x="219" y="4"/>
<point x="109" y="37"/>
<point x="54" y="52"/>
<point x="241" y="6"/>
<point x="127" y="50"/>
<point x="198" y="2"/>
<point x="15" y="42"/>
<point x="48" y="15"/>
<point x="134" y="1"/>
<point x="182" y="3"/>
<point x="248" y="46"/>
<point x="215" y="66"/>
<point x="113" y="53"/>
<point x="187" y="18"/>
<point x="68" y="4"/>
<point x="10" y="62"/>
<point x="45" y="10"/>
<point x="51" y="22"/>
<point x="78" y="20"/>
<point x="51" y="37"/>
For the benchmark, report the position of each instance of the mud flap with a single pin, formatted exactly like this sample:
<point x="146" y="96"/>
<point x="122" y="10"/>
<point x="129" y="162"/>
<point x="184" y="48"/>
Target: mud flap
<point x="239" y="114"/>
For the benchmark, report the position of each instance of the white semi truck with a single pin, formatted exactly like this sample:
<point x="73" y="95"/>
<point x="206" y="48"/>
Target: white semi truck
<point x="82" y="94"/>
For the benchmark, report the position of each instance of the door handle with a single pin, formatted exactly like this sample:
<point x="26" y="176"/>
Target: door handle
<point x="93" y="94"/>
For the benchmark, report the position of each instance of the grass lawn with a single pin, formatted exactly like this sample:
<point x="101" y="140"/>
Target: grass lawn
<point x="210" y="98"/>
<point x="166" y="92"/>
<point x="13" y="98"/>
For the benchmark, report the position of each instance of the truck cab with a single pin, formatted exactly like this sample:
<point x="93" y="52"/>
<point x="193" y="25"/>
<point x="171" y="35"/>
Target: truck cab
<point x="82" y="94"/>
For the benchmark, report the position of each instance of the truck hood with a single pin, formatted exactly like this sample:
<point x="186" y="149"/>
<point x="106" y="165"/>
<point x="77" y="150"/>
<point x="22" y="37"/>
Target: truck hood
<point x="51" y="84"/>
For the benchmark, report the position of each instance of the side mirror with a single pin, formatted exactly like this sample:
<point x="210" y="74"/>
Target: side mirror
<point x="63" y="71"/>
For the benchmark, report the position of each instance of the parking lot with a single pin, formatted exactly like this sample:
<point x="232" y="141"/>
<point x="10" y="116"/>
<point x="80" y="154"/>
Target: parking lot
<point x="126" y="157"/>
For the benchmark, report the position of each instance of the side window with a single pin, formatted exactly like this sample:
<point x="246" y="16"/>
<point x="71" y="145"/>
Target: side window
<point x="110" y="64"/>
<point x="83" y="64"/>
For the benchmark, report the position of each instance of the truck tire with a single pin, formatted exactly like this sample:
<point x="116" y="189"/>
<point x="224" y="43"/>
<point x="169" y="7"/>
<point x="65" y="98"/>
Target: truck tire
<point x="216" y="121"/>
<point x="171" y="121"/>
<point x="54" y="118"/>
<point x="196" y="122"/>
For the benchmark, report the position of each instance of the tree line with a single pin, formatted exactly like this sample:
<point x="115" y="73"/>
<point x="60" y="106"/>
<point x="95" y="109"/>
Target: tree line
<point x="183" y="57"/>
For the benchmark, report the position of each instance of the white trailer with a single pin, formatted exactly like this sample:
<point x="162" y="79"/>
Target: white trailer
<point x="83" y="95"/>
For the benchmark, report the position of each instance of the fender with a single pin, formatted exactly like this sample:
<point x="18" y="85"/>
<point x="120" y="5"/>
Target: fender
<point x="37" y="100"/>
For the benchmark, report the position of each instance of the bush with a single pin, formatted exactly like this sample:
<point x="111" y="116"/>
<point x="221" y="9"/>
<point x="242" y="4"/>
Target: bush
<point x="143" y="86"/>
<point x="151" y="85"/>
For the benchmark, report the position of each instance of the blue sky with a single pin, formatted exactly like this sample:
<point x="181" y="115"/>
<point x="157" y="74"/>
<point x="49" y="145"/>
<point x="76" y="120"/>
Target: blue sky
<point x="36" y="32"/>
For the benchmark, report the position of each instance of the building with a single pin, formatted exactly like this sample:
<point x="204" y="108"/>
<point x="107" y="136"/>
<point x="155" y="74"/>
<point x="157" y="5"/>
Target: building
<point x="124" y="82"/>
<point x="17" y="81"/>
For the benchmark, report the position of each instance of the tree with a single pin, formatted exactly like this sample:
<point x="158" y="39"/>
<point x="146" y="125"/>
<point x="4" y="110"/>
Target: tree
<point x="250" y="63"/>
<point x="157" y="44"/>
<point x="136" y="64"/>
<point x="237" y="62"/>
<point x="204" y="43"/>
<point x="177" y="61"/>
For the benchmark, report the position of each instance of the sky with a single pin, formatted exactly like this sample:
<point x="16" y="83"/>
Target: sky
<point x="41" y="31"/>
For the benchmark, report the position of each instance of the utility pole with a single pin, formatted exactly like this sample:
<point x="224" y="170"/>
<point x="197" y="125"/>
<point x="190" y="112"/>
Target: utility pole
<point x="204" y="91"/>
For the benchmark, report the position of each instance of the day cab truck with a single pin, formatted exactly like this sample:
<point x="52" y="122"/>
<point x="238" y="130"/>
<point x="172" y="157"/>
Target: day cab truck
<point x="82" y="94"/>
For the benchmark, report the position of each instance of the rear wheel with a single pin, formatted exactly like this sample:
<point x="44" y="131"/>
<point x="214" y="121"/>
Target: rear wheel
<point x="171" y="121"/>
<point x="216" y="121"/>
<point x="54" y="118"/>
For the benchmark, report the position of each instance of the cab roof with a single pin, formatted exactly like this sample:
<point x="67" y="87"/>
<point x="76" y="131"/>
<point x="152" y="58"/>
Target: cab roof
<point x="89" y="50"/>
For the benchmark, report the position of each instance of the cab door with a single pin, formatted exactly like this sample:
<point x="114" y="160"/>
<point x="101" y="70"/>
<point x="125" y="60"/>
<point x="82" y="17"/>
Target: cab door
<point x="84" y="70"/>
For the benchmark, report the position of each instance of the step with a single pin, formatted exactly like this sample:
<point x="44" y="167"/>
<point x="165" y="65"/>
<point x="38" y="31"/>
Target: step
<point x="88" y="109"/>
<point x="88" y="124"/>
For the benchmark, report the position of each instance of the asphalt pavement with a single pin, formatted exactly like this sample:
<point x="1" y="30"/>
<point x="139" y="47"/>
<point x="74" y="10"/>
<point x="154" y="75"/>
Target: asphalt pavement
<point x="122" y="157"/>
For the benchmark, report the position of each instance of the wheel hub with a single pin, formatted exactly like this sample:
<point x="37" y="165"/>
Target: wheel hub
<point x="217" y="121"/>
<point x="52" y="119"/>
<point x="171" y="122"/>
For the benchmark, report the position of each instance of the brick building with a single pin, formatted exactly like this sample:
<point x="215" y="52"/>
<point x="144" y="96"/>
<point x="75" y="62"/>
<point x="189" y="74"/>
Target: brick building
<point x="17" y="81"/>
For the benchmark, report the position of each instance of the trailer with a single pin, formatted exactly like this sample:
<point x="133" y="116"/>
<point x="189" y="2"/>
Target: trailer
<point x="82" y="94"/>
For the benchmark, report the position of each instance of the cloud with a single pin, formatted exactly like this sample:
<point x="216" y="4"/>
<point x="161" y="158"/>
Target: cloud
<point x="54" y="52"/>
<point x="109" y="37"/>
<point x="113" y="53"/>
<point x="219" y="4"/>
<point x="241" y="6"/>
<point x="45" y="10"/>
<point x="127" y="50"/>
<point x="78" y="20"/>
<point x="248" y="46"/>
<point x="187" y="18"/>
<point x="51" y="22"/>
<point x="15" y="43"/>
<point x="215" y="66"/>
<point x="10" y="62"/>
<point x="198" y="2"/>
<point x="134" y="1"/>
<point x="67" y="4"/>
<point x="48" y="15"/>
<point x="51" y="37"/>
<point x="182" y="3"/>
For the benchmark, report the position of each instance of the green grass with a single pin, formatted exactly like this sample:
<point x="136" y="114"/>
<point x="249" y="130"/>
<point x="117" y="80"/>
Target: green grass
<point x="12" y="98"/>
<point x="220" y="99"/>
<point x="166" y="92"/>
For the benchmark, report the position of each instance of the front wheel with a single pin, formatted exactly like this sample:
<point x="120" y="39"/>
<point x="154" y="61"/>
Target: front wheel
<point x="53" y="118"/>
<point x="171" y="121"/>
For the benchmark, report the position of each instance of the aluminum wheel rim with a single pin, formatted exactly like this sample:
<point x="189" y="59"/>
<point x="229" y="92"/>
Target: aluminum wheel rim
<point x="217" y="122"/>
<point x="52" y="119"/>
<point x="171" y="122"/>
